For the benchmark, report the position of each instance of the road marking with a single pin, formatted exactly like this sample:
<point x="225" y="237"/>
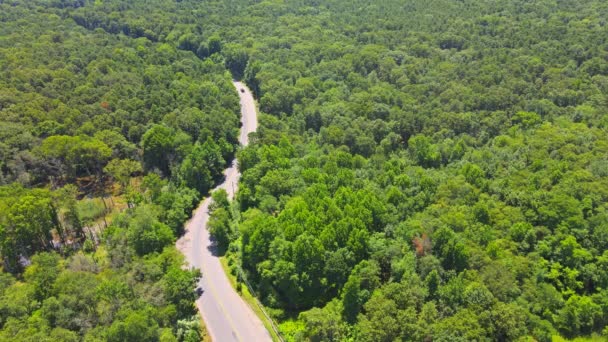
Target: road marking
<point x="214" y="294"/>
<point x="207" y="262"/>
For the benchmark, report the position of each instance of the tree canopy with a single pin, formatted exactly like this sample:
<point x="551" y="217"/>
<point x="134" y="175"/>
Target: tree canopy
<point x="423" y="170"/>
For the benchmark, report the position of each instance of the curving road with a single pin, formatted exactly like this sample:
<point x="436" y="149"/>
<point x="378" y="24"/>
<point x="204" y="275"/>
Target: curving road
<point x="226" y="315"/>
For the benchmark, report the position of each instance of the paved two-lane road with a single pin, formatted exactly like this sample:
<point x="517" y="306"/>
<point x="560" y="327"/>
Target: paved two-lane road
<point x="226" y="315"/>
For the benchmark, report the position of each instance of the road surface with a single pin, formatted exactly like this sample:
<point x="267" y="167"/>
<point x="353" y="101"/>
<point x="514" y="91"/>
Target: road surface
<point x="226" y="315"/>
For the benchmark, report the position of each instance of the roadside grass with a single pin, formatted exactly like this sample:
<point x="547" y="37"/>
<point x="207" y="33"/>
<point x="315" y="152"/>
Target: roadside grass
<point x="249" y="298"/>
<point x="205" y="335"/>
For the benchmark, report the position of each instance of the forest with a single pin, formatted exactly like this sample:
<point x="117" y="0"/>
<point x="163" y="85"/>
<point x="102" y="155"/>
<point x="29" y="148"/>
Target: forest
<point x="423" y="170"/>
<point x="107" y="144"/>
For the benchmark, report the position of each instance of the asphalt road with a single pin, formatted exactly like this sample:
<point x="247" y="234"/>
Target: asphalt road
<point x="226" y="315"/>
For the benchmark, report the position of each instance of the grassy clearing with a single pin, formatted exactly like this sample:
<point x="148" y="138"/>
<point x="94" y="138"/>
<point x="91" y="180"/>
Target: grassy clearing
<point x="91" y="209"/>
<point x="249" y="298"/>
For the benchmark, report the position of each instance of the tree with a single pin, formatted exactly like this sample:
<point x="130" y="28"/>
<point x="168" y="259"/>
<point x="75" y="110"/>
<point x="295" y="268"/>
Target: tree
<point x="220" y="227"/>
<point x="219" y="201"/>
<point x="135" y="326"/>
<point x="75" y="154"/>
<point x="324" y="324"/>
<point x="432" y="282"/>
<point x="309" y="260"/>
<point x="214" y="44"/>
<point x="190" y="330"/>
<point x="76" y="299"/>
<point x="423" y="151"/>
<point x="27" y="228"/>
<point x="121" y="148"/>
<point x="158" y="145"/>
<point x="202" y="166"/>
<point x="358" y="289"/>
<point x="122" y="170"/>
<point x="179" y="286"/>
<point x="69" y="218"/>
<point x="464" y="325"/>
<point x="17" y="302"/>
<point x="258" y="231"/>
<point x="146" y="234"/>
<point x="579" y="315"/>
<point x="452" y="144"/>
<point x="42" y="273"/>
<point x="509" y="322"/>
<point x="451" y="249"/>
<point x="188" y="42"/>
<point x="338" y="266"/>
<point x="236" y="60"/>
<point x="381" y="321"/>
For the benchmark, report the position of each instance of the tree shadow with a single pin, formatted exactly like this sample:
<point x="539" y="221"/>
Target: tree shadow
<point x="215" y="248"/>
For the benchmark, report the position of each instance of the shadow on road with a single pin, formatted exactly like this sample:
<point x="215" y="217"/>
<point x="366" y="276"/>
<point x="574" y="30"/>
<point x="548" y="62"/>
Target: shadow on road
<point x="215" y="249"/>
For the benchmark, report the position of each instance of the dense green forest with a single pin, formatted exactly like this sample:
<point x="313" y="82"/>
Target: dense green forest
<point x="424" y="170"/>
<point x="102" y="130"/>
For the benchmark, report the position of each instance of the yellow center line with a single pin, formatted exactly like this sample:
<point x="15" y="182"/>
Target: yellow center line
<point x="222" y="308"/>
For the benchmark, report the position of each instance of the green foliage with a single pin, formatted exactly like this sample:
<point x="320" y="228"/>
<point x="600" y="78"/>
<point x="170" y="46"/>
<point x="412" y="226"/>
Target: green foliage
<point x="358" y="289"/>
<point x="42" y="273"/>
<point x="27" y="220"/>
<point x="202" y="165"/>
<point x="430" y="170"/>
<point x="146" y="234"/>
<point x="219" y="227"/>
<point x="79" y="155"/>
<point x="122" y="170"/>
<point x="92" y="96"/>
<point x="324" y="324"/>
<point x="189" y="330"/>
<point x="79" y="109"/>
<point x="220" y="220"/>
<point x="179" y="289"/>
<point x="449" y="142"/>
<point x="89" y="210"/>
<point x="135" y="326"/>
<point x="579" y="316"/>
<point x="219" y="200"/>
<point x="158" y="144"/>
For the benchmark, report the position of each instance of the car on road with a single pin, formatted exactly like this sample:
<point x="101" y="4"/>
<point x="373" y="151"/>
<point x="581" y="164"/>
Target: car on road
<point x="242" y="90"/>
